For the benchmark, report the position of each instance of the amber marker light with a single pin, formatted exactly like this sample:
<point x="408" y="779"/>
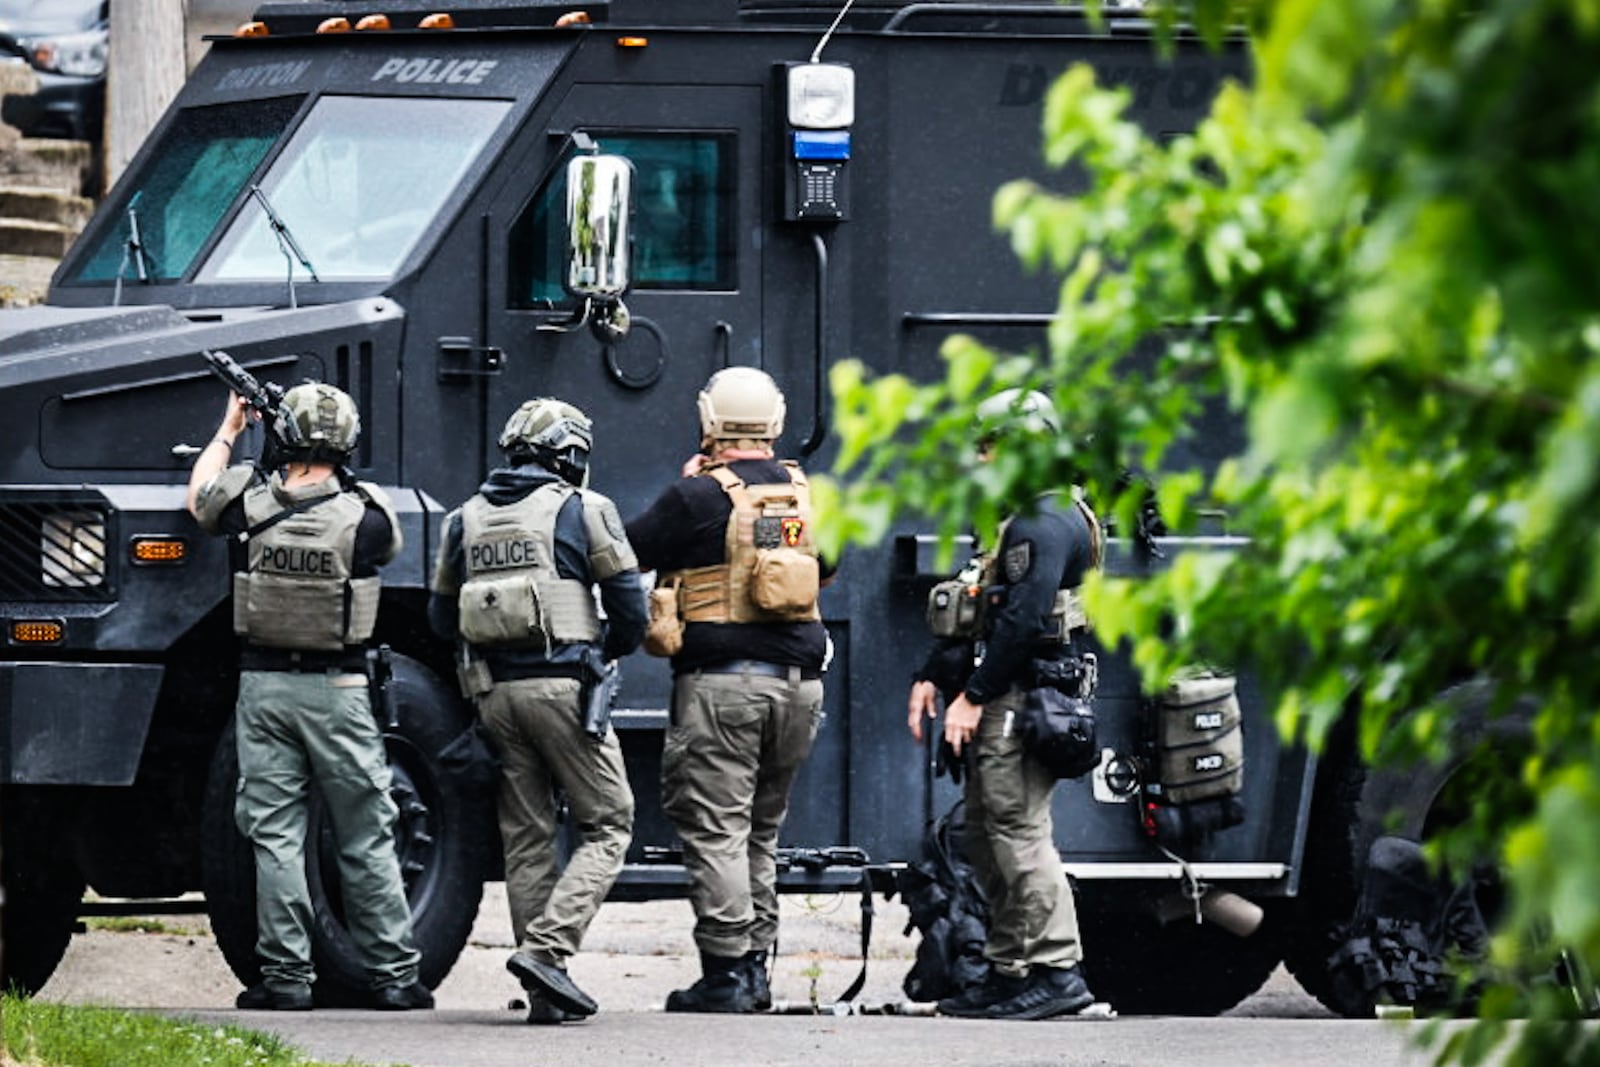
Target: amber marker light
<point x="251" y="29"/>
<point x="439" y="20"/>
<point x="334" y="25"/>
<point x="374" y="22"/>
<point x="572" y="18"/>
<point x="632" y="42"/>
<point x="159" y="550"/>
<point x="38" y="631"/>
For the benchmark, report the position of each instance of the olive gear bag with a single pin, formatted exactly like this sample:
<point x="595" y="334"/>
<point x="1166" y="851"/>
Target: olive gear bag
<point x="1195" y="759"/>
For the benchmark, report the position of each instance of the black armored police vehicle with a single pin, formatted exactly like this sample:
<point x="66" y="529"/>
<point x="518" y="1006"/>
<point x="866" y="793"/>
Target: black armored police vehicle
<point x="377" y="195"/>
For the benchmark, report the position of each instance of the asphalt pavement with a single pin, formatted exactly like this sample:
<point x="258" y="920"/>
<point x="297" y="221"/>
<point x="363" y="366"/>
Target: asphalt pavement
<point x="637" y="953"/>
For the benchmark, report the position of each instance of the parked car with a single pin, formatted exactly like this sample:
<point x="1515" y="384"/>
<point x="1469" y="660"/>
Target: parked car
<point x="64" y="41"/>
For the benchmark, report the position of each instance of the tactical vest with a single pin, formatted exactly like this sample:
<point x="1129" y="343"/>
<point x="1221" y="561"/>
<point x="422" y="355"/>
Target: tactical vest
<point x="297" y="591"/>
<point x="959" y="606"/>
<point x="513" y="596"/>
<point x="771" y="573"/>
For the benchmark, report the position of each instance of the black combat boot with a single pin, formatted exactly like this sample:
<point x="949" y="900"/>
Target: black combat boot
<point x="1051" y="991"/>
<point x="551" y="982"/>
<point x="543" y="1013"/>
<point x="262" y="997"/>
<point x="976" y="1000"/>
<point x="755" y="976"/>
<point x="723" y="988"/>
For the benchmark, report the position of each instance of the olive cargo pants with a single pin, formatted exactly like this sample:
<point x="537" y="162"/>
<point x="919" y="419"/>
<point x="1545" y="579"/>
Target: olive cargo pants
<point x="1010" y="841"/>
<point x="731" y="755"/>
<point x="299" y="731"/>
<point x="538" y="731"/>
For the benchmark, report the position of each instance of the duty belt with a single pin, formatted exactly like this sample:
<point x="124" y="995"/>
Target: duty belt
<point x="258" y="658"/>
<point x="762" y="668"/>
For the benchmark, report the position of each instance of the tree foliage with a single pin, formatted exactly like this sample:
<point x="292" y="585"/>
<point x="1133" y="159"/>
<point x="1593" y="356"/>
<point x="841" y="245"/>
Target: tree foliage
<point x="1380" y="257"/>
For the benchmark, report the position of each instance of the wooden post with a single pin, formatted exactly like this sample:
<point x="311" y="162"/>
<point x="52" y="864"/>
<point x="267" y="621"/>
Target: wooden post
<point x="147" y="67"/>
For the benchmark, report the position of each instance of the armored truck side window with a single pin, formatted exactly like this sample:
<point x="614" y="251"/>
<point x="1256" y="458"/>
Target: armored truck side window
<point x="354" y="188"/>
<point x="683" y="220"/>
<point x="184" y="189"/>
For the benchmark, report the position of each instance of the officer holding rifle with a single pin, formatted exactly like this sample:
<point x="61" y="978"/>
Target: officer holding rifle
<point x="514" y="586"/>
<point x="309" y="541"/>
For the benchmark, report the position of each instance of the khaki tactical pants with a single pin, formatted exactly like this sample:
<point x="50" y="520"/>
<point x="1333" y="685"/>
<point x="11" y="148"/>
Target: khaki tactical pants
<point x="538" y="731"/>
<point x="296" y="730"/>
<point x="731" y="755"/>
<point x="1011" y="843"/>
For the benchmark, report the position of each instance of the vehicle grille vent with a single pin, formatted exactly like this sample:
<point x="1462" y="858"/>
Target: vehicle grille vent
<point x="54" y="551"/>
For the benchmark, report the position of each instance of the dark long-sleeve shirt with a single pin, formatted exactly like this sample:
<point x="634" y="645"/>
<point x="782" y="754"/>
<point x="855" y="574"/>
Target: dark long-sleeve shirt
<point x="1039" y="554"/>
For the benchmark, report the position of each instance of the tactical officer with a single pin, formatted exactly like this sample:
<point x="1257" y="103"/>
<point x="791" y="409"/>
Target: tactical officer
<point x="1033" y="945"/>
<point x="733" y="537"/>
<point x="305" y="598"/>
<point x="517" y="565"/>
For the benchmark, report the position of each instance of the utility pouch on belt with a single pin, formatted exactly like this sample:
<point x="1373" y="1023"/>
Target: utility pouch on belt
<point x="663" y="634"/>
<point x="1197" y="757"/>
<point x="1056" y="723"/>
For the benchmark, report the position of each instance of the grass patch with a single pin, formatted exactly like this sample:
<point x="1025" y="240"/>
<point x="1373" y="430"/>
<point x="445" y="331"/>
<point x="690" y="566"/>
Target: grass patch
<point x="140" y="924"/>
<point x="63" y="1035"/>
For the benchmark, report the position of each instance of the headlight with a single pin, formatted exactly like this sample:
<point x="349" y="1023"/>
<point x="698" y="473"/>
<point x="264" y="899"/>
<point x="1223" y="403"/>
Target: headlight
<point x="81" y="55"/>
<point x="72" y="549"/>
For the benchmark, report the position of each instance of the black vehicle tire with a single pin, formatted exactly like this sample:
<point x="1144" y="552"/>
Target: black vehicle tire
<point x="444" y="836"/>
<point x="1352" y="807"/>
<point x="43" y="891"/>
<point x="1141" y="966"/>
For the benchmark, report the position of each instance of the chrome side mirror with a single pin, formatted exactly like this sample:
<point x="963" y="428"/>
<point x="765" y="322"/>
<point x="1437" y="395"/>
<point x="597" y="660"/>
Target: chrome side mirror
<point x="599" y="209"/>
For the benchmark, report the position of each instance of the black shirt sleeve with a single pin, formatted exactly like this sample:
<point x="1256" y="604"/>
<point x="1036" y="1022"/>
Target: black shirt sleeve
<point x="373" y="538"/>
<point x="444" y="609"/>
<point x="1024" y="619"/>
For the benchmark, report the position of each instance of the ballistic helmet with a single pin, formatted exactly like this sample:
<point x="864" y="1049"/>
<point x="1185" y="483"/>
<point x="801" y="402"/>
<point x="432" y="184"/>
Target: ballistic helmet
<point x="317" y="422"/>
<point x="551" y="433"/>
<point x="1028" y="411"/>
<point x="741" y="403"/>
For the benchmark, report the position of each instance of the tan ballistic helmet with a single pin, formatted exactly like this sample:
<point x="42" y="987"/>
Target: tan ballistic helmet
<point x="553" y="434"/>
<point x="741" y="403"/>
<point x="318" y="421"/>
<point x="1029" y="412"/>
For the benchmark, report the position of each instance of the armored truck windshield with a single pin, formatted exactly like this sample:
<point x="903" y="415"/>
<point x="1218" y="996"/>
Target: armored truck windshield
<point x="348" y="186"/>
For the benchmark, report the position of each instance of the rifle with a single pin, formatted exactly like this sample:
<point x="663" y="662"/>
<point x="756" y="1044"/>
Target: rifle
<point x="263" y="398"/>
<point x="600" y="683"/>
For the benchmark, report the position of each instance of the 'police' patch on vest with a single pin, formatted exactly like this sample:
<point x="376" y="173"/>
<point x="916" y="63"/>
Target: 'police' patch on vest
<point x="793" y="531"/>
<point x="1018" y="561"/>
<point x="289" y="559"/>
<point x="501" y="555"/>
<point x="767" y="532"/>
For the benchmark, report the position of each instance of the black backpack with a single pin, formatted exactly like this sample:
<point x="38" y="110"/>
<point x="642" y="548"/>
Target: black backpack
<point x="949" y="908"/>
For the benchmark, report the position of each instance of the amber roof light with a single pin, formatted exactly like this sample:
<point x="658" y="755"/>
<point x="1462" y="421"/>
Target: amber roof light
<point x="439" y="20"/>
<point x="374" y="22"/>
<point x="251" y="29"/>
<point x="334" y="25"/>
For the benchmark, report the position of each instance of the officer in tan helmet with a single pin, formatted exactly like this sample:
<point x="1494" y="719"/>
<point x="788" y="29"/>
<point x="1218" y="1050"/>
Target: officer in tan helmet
<point x="305" y="600"/>
<point x="737" y="581"/>
<point x="517" y="568"/>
